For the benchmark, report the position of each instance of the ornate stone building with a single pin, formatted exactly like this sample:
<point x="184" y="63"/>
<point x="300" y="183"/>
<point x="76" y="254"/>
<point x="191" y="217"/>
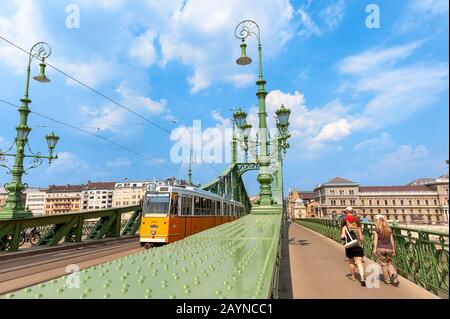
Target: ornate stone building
<point x="299" y="204"/>
<point x="421" y="201"/>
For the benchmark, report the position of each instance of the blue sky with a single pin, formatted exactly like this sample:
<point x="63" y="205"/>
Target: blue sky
<point x="368" y="104"/>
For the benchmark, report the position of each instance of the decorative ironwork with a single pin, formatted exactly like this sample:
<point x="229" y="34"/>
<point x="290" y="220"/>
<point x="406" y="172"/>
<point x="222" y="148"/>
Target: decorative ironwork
<point x="247" y="28"/>
<point x="40" y="50"/>
<point x="421" y="256"/>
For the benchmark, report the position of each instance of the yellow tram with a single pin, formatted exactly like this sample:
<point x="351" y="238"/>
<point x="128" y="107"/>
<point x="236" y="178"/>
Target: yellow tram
<point x="171" y="213"/>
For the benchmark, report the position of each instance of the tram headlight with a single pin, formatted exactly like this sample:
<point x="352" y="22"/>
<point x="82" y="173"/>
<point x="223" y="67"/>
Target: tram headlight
<point x="153" y="232"/>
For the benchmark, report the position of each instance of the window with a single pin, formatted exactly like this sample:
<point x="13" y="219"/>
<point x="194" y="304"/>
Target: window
<point x="385" y="202"/>
<point x="343" y="202"/>
<point x="370" y="202"/>
<point x="435" y="202"/>
<point x="394" y="202"/>
<point x="333" y="202"/>
<point x="410" y="202"/>
<point x="402" y="202"/>
<point x="427" y="202"/>
<point x="332" y="191"/>
<point x="351" y="192"/>
<point x="378" y="202"/>
<point x="418" y="202"/>
<point x="156" y="204"/>
<point x="197" y="206"/>
<point x="186" y="205"/>
<point x="362" y="201"/>
<point x="352" y="202"/>
<point x="341" y="192"/>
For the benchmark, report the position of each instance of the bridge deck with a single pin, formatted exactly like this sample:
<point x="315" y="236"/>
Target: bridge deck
<point x="314" y="267"/>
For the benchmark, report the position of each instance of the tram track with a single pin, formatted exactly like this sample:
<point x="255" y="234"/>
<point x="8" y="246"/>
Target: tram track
<point x="28" y="270"/>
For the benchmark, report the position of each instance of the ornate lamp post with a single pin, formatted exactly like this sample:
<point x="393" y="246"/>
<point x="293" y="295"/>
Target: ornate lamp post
<point x="243" y="30"/>
<point x="14" y="207"/>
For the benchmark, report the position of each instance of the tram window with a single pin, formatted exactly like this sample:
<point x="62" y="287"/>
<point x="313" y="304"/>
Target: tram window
<point x="197" y="206"/>
<point x="209" y="208"/>
<point x="174" y="204"/>
<point x="156" y="204"/>
<point x="186" y="205"/>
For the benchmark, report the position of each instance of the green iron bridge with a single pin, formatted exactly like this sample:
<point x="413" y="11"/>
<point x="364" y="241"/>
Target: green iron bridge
<point x="239" y="259"/>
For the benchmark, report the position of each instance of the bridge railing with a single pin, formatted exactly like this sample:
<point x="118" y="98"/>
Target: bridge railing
<point x="422" y="256"/>
<point x="71" y="227"/>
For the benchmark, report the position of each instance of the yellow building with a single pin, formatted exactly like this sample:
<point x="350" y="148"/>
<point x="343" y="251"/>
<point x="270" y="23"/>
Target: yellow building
<point x="63" y="199"/>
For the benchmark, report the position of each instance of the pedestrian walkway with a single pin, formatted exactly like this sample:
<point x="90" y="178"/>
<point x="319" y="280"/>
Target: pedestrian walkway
<point x="314" y="267"/>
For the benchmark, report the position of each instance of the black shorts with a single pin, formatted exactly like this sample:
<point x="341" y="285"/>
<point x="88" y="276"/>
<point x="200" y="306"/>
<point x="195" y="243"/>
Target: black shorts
<point x="352" y="252"/>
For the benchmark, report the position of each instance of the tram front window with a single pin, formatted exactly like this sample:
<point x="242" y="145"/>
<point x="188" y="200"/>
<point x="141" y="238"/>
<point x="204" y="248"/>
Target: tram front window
<point x="156" y="204"/>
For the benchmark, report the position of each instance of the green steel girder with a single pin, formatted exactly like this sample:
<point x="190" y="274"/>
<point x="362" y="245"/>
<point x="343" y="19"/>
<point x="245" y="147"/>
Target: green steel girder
<point x="132" y="225"/>
<point x="70" y="225"/>
<point x="235" y="260"/>
<point x="58" y="232"/>
<point x="246" y="167"/>
<point x="104" y="225"/>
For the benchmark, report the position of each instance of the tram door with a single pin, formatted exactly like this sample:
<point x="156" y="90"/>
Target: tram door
<point x="186" y="213"/>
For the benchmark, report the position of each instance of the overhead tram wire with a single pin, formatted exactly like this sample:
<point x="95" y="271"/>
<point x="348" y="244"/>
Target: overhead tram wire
<point x="98" y="136"/>
<point x="98" y="93"/>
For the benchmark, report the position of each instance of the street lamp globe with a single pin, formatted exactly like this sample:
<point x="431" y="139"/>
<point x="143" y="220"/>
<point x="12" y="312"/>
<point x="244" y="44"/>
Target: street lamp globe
<point x="52" y="140"/>
<point x="42" y="77"/>
<point x="283" y="115"/>
<point x="244" y="59"/>
<point x="23" y="131"/>
<point x="240" y="117"/>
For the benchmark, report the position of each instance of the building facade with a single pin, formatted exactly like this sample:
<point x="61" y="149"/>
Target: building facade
<point x="129" y="193"/>
<point x="299" y="204"/>
<point x="35" y="201"/>
<point x="63" y="199"/>
<point x="422" y="201"/>
<point x="98" y="195"/>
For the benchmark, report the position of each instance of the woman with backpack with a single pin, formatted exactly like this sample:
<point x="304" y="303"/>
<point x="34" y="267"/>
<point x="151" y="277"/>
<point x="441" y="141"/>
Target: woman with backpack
<point x="384" y="250"/>
<point x="351" y="234"/>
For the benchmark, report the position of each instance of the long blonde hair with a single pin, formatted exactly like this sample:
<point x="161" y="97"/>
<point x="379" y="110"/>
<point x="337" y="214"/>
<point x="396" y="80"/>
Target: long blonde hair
<point x="383" y="229"/>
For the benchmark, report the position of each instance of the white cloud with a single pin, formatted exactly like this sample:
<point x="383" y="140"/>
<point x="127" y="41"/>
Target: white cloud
<point x="419" y="13"/>
<point x="430" y="7"/>
<point x="20" y="22"/>
<point x="142" y="49"/>
<point x="333" y="14"/>
<point x="118" y="163"/>
<point x="376" y="144"/>
<point x="106" y="117"/>
<point x="208" y="43"/>
<point x="327" y="19"/>
<point x="109" y="4"/>
<point x="405" y="158"/>
<point x="91" y="73"/>
<point x="334" y="131"/>
<point x="241" y="80"/>
<point x="68" y="162"/>
<point x="373" y="59"/>
<point x="114" y="118"/>
<point x="308" y="26"/>
<point x="135" y="100"/>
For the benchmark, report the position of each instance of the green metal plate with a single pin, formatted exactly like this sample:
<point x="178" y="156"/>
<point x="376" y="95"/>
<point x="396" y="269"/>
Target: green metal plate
<point x="234" y="260"/>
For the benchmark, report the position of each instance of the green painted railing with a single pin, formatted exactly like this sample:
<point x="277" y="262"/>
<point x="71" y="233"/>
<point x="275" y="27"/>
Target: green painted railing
<point x="239" y="259"/>
<point x="71" y="227"/>
<point x="421" y="256"/>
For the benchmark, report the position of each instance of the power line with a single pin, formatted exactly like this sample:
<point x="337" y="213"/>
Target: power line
<point x="98" y="136"/>
<point x="99" y="93"/>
